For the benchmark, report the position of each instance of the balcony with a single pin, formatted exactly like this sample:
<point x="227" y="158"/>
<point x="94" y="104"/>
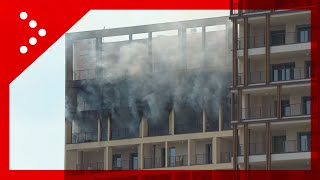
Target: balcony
<point x="84" y="137"/>
<point x="290" y="146"/>
<point x="91" y="166"/>
<point x="200" y="159"/>
<point x="257" y="77"/>
<point x="225" y="157"/>
<point x="123" y="133"/>
<point x="151" y="163"/>
<point x="290" y="74"/>
<point x="176" y="161"/>
<point x="266" y="111"/>
<point x="299" y="109"/>
<point x="125" y="164"/>
<point x="257" y="148"/>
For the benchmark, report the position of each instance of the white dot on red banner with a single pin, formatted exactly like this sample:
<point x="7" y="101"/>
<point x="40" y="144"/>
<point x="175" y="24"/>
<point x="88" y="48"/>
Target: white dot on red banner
<point x="23" y="49"/>
<point x="42" y="32"/>
<point x="23" y="15"/>
<point x="33" y="41"/>
<point x="33" y="24"/>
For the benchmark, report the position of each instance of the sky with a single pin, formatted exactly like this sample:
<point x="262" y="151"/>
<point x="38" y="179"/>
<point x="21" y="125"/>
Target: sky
<point x="37" y="95"/>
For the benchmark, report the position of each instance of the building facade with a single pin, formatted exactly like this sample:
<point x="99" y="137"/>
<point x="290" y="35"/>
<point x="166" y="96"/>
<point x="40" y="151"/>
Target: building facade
<point x="149" y="97"/>
<point x="270" y="92"/>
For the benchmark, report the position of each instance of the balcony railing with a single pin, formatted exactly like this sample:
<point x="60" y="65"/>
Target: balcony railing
<point x="298" y="109"/>
<point x="123" y="133"/>
<point x="257" y="148"/>
<point x="84" y="137"/>
<point x="199" y="159"/>
<point x="257" y="77"/>
<point x="91" y="166"/>
<point x="125" y="164"/>
<point x="266" y="111"/>
<point x="176" y="161"/>
<point x="157" y="162"/>
<point x="240" y="150"/>
<point x="187" y="128"/>
<point x="225" y="157"/>
<point x="290" y="146"/>
<point x="160" y="131"/>
<point x="240" y="79"/>
<point x="297" y="73"/>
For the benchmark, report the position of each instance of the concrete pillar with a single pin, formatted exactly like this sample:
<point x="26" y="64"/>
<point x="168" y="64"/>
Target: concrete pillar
<point x="140" y="156"/>
<point x="108" y="158"/>
<point x="69" y="58"/>
<point x="214" y="151"/>
<point x="234" y="54"/>
<point x="235" y="147"/>
<point x="245" y="51"/>
<point x="204" y="121"/>
<point x="220" y="118"/>
<point x="246" y="146"/>
<point x="166" y="154"/>
<point x="99" y="129"/>
<point x="189" y="152"/>
<point x="171" y="123"/>
<point x="267" y="43"/>
<point x="109" y="129"/>
<point x="268" y="146"/>
<point x="279" y="115"/>
<point x="68" y="132"/>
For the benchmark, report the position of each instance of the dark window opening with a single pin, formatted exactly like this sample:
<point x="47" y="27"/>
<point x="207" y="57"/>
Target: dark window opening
<point x="278" y="37"/>
<point x="283" y="72"/>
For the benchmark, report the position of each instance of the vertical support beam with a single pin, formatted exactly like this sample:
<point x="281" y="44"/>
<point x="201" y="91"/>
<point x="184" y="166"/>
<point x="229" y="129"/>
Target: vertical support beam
<point x="204" y="57"/>
<point x="268" y="145"/>
<point x="140" y="156"/>
<point x="183" y="44"/>
<point x="248" y="106"/>
<point x="109" y="129"/>
<point x="69" y="58"/>
<point x="189" y="152"/>
<point x="204" y="121"/>
<point x="141" y="128"/>
<point x="108" y="158"/>
<point x="99" y="128"/>
<point x="216" y="142"/>
<point x="234" y="53"/>
<point x="246" y="146"/>
<point x="130" y="37"/>
<point x="239" y="118"/>
<point x="279" y="115"/>
<point x="166" y="154"/>
<point x="220" y="118"/>
<point x="245" y="52"/>
<point x="171" y="123"/>
<point x="235" y="146"/>
<point x="267" y="44"/>
<point x="150" y="50"/>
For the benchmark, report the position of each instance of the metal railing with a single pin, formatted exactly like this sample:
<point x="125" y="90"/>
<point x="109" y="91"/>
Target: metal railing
<point x="257" y="77"/>
<point x="297" y="73"/>
<point x="298" y="109"/>
<point x="286" y="38"/>
<point x="123" y="133"/>
<point x="176" y="161"/>
<point x="290" y="146"/>
<point x="84" y="137"/>
<point x="268" y="111"/>
<point x="151" y="163"/>
<point x="125" y="164"/>
<point x="240" y="79"/>
<point x="90" y="166"/>
<point x="199" y="159"/>
<point x="160" y="131"/>
<point x="257" y="148"/>
<point x="187" y="128"/>
<point x="225" y="157"/>
<point x="240" y="150"/>
<point x="84" y="74"/>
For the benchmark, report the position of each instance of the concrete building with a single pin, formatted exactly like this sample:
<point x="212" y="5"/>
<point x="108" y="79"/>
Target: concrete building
<point x="270" y="92"/>
<point x="111" y="119"/>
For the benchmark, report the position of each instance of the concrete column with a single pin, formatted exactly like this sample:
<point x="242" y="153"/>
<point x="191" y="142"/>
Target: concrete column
<point x="140" y="156"/>
<point x="189" y="152"/>
<point x="99" y="129"/>
<point x="171" y="123"/>
<point x="68" y="132"/>
<point x="214" y="152"/>
<point x="245" y="51"/>
<point x="69" y="58"/>
<point x="99" y="72"/>
<point x="235" y="147"/>
<point x="166" y="154"/>
<point x="239" y="105"/>
<point x="108" y="158"/>
<point x="141" y="128"/>
<point x="279" y="115"/>
<point x="234" y="53"/>
<point x="268" y="146"/>
<point x="109" y="129"/>
<point x="220" y="118"/>
<point x="267" y="43"/>
<point x="204" y="121"/>
<point x="150" y="50"/>
<point x="246" y="146"/>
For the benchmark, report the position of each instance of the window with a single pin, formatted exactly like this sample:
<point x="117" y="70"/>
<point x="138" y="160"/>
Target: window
<point x="285" y="108"/>
<point x="209" y="153"/>
<point x="307" y="70"/>
<point x="133" y="161"/>
<point x="278" y="37"/>
<point x="117" y="161"/>
<point x="303" y="141"/>
<point x="283" y="72"/>
<point x="303" y="34"/>
<point x="278" y="145"/>
<point x="306" y="105"/>
<point x="172" y="154"/>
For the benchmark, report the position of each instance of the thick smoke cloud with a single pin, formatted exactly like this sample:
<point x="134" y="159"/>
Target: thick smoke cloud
<point x="148" y="87"/>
